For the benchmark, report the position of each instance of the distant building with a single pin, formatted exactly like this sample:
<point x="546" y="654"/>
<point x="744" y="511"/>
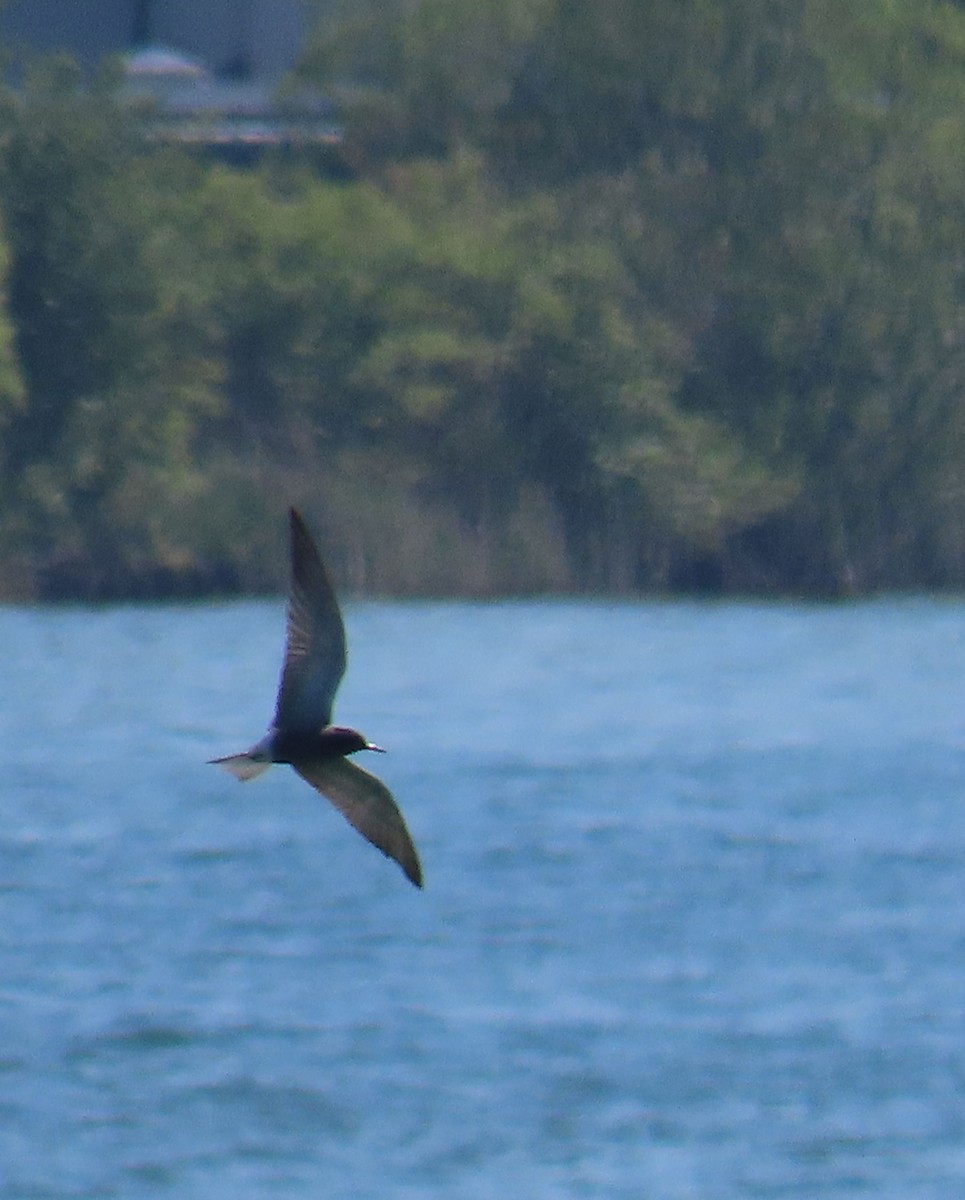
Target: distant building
<point x="234" y="38"/>
<point x="206" y="71"/>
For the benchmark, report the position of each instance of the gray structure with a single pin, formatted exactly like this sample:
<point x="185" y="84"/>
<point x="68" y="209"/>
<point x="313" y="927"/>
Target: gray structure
<point x="239" y="39"/>
<point x="204" y="72"/>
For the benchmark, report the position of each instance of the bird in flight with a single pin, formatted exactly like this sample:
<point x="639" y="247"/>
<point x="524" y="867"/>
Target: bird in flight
<point x="301" y="733"/>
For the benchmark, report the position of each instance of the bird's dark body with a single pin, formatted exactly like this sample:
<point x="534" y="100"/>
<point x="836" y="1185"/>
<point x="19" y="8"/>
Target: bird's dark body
<point x="293" y="746"/>
<point x="301" y="733"/>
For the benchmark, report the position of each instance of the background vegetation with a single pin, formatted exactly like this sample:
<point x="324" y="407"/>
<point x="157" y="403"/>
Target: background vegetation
<point x="605" y="297"/>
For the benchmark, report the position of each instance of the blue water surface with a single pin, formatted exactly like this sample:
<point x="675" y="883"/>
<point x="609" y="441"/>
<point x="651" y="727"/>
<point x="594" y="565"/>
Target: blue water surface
<point x="693" y="925"/>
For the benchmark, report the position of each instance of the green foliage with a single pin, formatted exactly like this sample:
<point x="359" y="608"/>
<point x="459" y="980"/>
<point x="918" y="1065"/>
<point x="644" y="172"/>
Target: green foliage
<point x="13" y="394"/>
<point x="97" y="315"/>
<point x="619" y="295"/>
<point x="420" y="78"/>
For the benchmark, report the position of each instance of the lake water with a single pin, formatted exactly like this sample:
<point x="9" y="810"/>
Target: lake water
<point x="693" y="926"/>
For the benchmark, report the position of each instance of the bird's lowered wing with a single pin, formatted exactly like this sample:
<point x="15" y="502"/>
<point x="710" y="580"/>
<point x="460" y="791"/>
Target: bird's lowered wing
<point x="366" y="803"/>
<point x="315" y="649"/>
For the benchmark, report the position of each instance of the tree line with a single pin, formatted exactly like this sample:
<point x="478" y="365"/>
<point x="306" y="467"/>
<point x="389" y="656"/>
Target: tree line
<point x="615" y="297"/>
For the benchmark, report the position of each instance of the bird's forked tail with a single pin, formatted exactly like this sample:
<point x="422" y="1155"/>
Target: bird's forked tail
<point x="242" y="766"/>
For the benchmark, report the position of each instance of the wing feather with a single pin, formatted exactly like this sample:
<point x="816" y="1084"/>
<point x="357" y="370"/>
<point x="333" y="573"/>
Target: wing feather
<point x="315" y="654"/>
<point x="368" y="805"/>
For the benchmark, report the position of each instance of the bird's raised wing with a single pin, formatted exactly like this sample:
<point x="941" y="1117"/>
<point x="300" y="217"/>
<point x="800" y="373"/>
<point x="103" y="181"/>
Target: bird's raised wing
<point x="315" y="650"/>
<point x="366" y="803"/>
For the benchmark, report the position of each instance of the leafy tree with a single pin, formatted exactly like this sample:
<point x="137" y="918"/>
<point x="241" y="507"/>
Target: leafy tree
<point x="419" y="79"/>
<point x="13" y="396"/>
<point x="97" y="308"/>
<point x="679" y="285"/>
<point x="297" y="275"/>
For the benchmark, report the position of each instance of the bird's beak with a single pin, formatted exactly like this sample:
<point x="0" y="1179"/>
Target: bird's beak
<point x="372" y="746"/>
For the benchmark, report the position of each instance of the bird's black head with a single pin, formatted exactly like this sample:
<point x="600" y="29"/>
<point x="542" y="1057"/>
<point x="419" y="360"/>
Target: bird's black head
<point x="346" y="741"/>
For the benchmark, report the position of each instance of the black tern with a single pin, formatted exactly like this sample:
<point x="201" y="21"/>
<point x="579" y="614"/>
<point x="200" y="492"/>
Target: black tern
<point x="301" y="733"/>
